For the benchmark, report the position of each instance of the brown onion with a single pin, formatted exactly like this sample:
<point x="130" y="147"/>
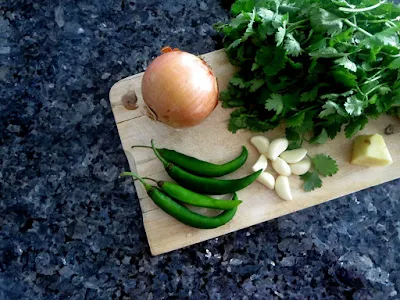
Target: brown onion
<point x="180" y="89"/>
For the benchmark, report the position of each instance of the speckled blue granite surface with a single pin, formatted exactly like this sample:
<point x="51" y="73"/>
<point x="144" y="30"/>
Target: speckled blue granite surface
<point x="71" y="229"/>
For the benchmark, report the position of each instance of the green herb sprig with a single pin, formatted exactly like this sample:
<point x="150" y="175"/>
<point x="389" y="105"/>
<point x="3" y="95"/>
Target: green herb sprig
<point x="316" y="66"/>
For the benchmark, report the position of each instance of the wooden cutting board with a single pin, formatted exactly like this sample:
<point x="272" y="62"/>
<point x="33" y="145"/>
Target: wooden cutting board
<point x="212" y="141"/>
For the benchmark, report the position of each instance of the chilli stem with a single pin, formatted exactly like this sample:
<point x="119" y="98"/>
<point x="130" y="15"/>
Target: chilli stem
<point x="147" y="178"/>
<point x="165" y="163"/>
<point x="146" y="185"/>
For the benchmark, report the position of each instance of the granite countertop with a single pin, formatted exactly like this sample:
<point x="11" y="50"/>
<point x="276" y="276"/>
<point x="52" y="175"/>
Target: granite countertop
<point x="71" y="229"/>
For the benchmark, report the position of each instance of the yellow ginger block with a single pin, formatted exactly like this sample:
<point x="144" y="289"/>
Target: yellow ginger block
<point x="371" y="151"/>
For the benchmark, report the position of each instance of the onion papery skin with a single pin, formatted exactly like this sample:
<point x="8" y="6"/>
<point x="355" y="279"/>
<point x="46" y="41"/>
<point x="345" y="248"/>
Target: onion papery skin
<point x="180" y="89"/>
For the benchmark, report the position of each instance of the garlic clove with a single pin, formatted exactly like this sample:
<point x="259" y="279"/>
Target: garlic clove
<point x="267" y="179"/>
<point x="276" y="148"/>
<point x="282" y="188"/>
<point x="261" y="163"/>
<point x="301" y="167"/>
<point x="293" y="156"/>
<point x="281" y="167"/>
<point x="261" y="143"/>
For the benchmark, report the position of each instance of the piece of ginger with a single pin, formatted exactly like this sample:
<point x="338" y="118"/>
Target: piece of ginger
<point x="371" y="151"/>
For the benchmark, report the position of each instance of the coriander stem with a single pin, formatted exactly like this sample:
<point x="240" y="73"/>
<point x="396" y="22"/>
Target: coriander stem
<point x="380" y="21"/>
<point x="391" y="55"/>
<point x="298" y="22"/>
<point x="372" y="21"/>
<point x="376" y="76"/>
<point x="285" y="8"/>
<point x="309" y="36"/>
<point x="392" y="24"/>
<point x="363" y="9"/>
<point x="360" y="91"/>
<point x="290" y="28"/>
<point x="356" y="27"/>
<point x="373" y="79"/>
<point x="373" y="89"/>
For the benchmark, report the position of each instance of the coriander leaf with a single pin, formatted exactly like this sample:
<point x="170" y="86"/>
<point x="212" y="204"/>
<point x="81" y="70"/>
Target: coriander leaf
<point x="387" y="37"/>
<point x="331" y="107"/>
<point x="292" y="46"/>
<point x="225" y="96"/>
<point x="254" y="66"/>
<point x="320" y="138"/>
<point x="343" y="3"/>
<point x="237" y="81"/>
<point x="290" y="101"/>
<point x="366" y="66"/>
<point x="296" y="120"/>
<point x="304" y="97"/>
<point x="383" y="90"/>
<point x="241" y="119"/>
<point x="277" y="63"/>
<point x="333" y="129"/>
<point x="325" y="53"/>
<point x="395" y="64"/>
<point x="324" y="21"/>
<point x="234" y="44"/>
<point x="347" y="63"/>
<point x="354" y="106"/>
<point x="335" y="119"/>
<point x="324" y="164"/>
<point x="294" y="145"/>
<point x="275" y="102"/>
<point x="291" y="134"/>
<point x="241" y="19"/>
<point x="295" y="65"/>
<point x="264" y="55"/>
<point x="306" y="126"/>
<point x="242" y="6"/>
<point x="280" y="35"/>
<point x="330" y="96"/>
<point x="311" y="181"/>
<point x="279" y="20"/>
<point x="348" y="93"/>
<point x="344" y="77"/>
<point x="255" y="84"/>
<point x="355" y="125"/>
<point x="372" y="100"/>
<point x="237" y="121"/>
<point x="232" y="103"/>
<point x="380" y="104"/>
<point x="310" y="96"/>
<point x="264" y="29"/>
<point x="249" y="30"/>
<point x="343" y="38"/>
<point x="265" y="14"/>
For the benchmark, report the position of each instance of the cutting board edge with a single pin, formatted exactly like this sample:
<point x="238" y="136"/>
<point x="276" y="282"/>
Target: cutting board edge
<point x="284" y="211"/>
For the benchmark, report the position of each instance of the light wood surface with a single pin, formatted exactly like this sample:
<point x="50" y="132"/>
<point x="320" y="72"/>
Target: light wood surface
<point x="213" y="142"/>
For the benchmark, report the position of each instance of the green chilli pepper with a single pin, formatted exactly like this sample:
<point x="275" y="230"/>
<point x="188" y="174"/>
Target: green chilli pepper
<point x="202" y="184"/>
<point x="184" y="195"/>
<point x="201" y="167"/>
<point x="180" y="212"/>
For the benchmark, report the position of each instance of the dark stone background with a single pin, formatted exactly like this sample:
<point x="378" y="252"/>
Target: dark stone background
<point x="71" y="229"/>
